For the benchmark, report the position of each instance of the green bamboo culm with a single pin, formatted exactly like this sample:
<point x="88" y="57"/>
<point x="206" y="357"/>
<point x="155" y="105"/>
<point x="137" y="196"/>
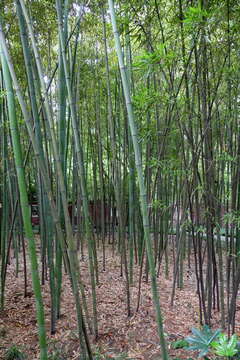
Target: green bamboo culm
<point x="24" y="207"/>
<point x="81" y="170"/>
<point x="71" y="263"/>
<point x="5" y="209"/>
<point x="142" y="188"/>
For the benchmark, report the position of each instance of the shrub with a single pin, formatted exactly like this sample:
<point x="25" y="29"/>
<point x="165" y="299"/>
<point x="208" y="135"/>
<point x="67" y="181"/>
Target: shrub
<point x="13" y="353"/>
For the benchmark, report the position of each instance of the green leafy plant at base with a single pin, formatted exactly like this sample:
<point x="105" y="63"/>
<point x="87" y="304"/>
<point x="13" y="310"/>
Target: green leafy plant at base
<point x="224" y="346"/>
<point x="201" y="340"/>
<point x="216" y="343"/>
<point x="13" y="353"/>
<point x="179" y="344"/>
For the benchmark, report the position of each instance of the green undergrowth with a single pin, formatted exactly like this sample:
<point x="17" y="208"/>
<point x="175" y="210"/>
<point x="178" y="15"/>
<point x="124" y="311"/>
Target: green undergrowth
<point x="210" y="345"/>
<point x="99" y="356"/>
<point x="14" y="353"/>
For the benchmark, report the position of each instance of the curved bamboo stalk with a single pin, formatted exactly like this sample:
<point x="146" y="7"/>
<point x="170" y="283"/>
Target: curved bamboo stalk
<point x="25" y="209"/>
<point x="70" y="259"/>
<point x="80" y="163"/>
<point x="142" y="188"/>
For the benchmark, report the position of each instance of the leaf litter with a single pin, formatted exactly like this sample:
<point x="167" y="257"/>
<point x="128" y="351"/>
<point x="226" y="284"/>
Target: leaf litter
<point x="135" y="336"/>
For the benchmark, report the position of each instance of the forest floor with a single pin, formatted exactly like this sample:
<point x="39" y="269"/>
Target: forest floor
<point x="134" y="336"/>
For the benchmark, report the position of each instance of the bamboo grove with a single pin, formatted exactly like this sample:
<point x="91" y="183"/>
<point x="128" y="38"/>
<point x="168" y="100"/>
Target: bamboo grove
<point x="129" y="109"/>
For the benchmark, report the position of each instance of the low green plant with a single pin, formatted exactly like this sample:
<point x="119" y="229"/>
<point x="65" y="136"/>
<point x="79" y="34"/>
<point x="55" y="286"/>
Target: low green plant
<point x="224" y="346"/>
<point x="13" y="353"/>
<point x="201" y="340"/>
<point x="179" y="344"/>
<point x="217" y="344"/>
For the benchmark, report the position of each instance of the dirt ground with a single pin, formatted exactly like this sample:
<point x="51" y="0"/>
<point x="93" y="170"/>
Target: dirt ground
<point x="135" y="336"/>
